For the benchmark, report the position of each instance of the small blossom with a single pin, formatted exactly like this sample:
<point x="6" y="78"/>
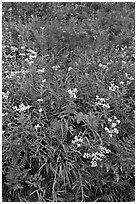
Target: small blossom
<point x="21" y="108"/>
<point x="69" y="69"/>
<point x="3" y="114"/>
<point x="86" y="155"/>
<point x="41" y="70"/>
<point x="115" y="130"/>
<point x="93" y="163"/>
<point x="113" y="125"/>
<point x="109" y="120"/>
<point x="44" y="80"/>
<point x="39" y="99"/>
<point x="73" y="92"/>
<point x="122" y="83"/>
<point x="110" y="134"/>
<point x="128" y="82"/>
<point x="107" y="130"/>
<point x="40" y="110"/>
<point x="37" y="126"/>
<point x="118" y="121"/>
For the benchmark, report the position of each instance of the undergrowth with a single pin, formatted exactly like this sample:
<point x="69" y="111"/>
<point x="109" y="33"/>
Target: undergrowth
<point x="68" y="102"/>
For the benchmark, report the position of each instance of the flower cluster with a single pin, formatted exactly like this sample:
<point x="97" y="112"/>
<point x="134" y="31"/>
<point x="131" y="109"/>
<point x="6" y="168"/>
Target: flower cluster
<point x="41" y="70"/>
<point x="32" y="54"/>
<point x="113" y="123"/>
<point x="73" y="92"/>
<point x="101" y="102"/>
<point x="78" y="141"/>
<point x="97" y="156"/>
<point x="5" y="95"/>
<point x="21" y="108"/>
<point x="130" y="78"/>
<point x="37" y="126"/>
<point x="69" y="69"/>
<point x="113" y="87"/>
<point x="55" y="67"/>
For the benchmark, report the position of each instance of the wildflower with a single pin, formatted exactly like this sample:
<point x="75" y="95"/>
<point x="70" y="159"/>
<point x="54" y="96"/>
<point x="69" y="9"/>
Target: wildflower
<point x="73" y="92"/>
<point x="41" y="70"/>
<point x="115" y="130"/>
<point x="131" y="78"/>
<point x="29" y="62"/>
<point x="93" y="163"/>
<point x="107" y="130"/>
<point x="113" y="125"/>
<point x="123" y="62"/>
<point x="118" y="121"/>
<point x="77" y="140"/>
<point x="109" y="120"/>
<point x="122" y="83"/>
<point x="3" y="114"/>
<point x="21" y="108"/>
<point x="39" y="99"/>
<point x="22" y="47"/>
<point x="44" y="80"/>
<point x="128" y="82"/>
<point x="102" y="102"/>
<point x="55" y="67"/>
<point x="5" y="95"/>
<point x="37" y="126"/>
<point x="69" y="69"/>
<point x="106" y="106"/>
<point x="113" y="87"/>
<point x="40" y="110"/>
<point x="86" y="155"/>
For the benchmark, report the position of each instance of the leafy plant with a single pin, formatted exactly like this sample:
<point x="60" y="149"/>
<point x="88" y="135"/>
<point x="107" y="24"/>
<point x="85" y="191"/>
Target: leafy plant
<point x="68" y="102"/>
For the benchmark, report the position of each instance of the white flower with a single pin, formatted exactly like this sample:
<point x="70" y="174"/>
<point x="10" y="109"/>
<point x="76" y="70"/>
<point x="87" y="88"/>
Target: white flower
<point x="78" y="145"/>
<point x="69" y="69"/>
<point x="93" y="163"/>
<point x="106" y="106"/>
<point x="113" y="125"/>
<point x="128" y="82"/>
<point x="110" y="134"/>
<point x="41" y="70"/>
<point x="107" y="130"/>
<point x="73" y="92"/>
<point x="118" y="121"/>
<point x="40" y="110"/>
<point x="86" y="155"/>
<point x="115" y="130"/>
<point x="3" y="114"/>
<point x="5" y="95"/>
<point x="131" y="78"/>
<point x="109" y="120"/>
<point x="44" y="80"/>
<point x="39" y="99"/>
<point x="122" y="83"/>
<point x="23" y="108"/>
<point x="37" y="126"/>
<point x="126" y="75"/>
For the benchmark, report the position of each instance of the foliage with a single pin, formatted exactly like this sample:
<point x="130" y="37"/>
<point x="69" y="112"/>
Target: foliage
<point x="68" y="101"/>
